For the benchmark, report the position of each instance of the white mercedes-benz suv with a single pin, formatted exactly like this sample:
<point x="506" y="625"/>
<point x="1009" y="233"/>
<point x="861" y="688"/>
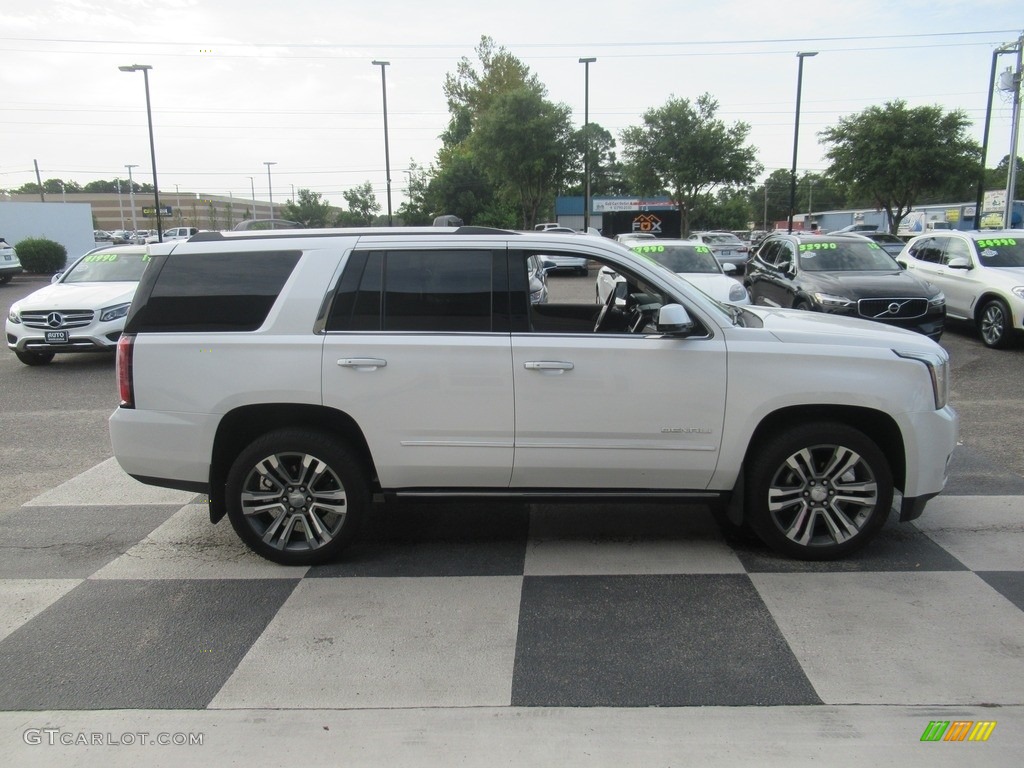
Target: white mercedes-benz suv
<point x="82" y="310"/>
<point x="293" y="376"/>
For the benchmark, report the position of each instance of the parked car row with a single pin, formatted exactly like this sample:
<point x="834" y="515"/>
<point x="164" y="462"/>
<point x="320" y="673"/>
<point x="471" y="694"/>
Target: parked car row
<point x="975" y="276"/>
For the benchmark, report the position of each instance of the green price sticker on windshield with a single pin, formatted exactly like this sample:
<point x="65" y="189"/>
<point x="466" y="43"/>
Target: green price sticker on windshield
<point x="649" y="248"/>
<point x="996" y="242"/>
<point x="818" y="246"/>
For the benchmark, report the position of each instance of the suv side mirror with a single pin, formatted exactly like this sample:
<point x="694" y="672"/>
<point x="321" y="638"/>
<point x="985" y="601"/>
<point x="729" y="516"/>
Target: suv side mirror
<point x="673" y="319"/>
<point x="959" y="262"/>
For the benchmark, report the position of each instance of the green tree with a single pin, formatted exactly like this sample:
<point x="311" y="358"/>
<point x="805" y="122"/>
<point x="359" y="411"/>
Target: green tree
<point x="995" y="178"/>
<point x="684" y="149"/>
<point x="464" y="181"/>
<point x="522" y="142"/>
<point x="461" y="187"/>
<point x="895" y="156"/>
<point x="606" y="177"/>
<point x="309" y="209"/>
<point x="415" y="210"/>
<point x="362" y="206"/>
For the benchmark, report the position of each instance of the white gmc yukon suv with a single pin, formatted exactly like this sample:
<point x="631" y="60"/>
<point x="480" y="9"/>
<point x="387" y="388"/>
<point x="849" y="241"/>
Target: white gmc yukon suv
<point x="293" y="376"/>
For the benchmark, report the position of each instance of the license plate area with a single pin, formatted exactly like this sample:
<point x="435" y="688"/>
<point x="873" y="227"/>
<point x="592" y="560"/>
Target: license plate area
<point x="57" y="337"/>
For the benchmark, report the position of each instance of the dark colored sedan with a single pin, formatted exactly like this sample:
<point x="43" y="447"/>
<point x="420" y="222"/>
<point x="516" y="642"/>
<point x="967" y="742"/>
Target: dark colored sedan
<point x="843" y="275"/>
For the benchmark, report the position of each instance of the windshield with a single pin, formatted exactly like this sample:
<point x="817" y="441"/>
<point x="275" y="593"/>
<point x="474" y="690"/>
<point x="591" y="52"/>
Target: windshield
<point x="109" y="267"/>
<point x="1001" y="252"/>
<point x="680" y="258"/>
<point x="845" y="256"/>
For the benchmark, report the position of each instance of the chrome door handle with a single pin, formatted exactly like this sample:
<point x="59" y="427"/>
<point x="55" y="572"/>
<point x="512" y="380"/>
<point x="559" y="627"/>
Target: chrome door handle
<point x="556" y="366"/>
<point x="363" y="363"/>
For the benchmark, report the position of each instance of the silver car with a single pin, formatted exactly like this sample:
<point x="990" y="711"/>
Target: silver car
<point x="728" y="248"/>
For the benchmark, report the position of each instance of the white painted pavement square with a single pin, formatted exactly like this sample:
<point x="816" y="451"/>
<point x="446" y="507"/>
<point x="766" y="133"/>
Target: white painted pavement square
<point x="931" y="638"/>
<point x="23" y="599"/>
<point x="384" y="643"/>
<point x="107" y="484"/>
<point x="985" y="533"/>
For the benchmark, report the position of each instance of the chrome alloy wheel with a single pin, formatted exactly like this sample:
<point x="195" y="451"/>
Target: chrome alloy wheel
<point x="294" y="501"/>
<point x="822" y="495"/>
<point x="994" y="324"/>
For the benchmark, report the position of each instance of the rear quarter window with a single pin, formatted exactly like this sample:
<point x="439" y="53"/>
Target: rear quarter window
<point x="210" y="292"/>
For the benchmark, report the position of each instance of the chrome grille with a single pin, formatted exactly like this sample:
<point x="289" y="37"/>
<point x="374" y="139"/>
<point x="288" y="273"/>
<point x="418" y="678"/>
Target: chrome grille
<point x="892" y="308"/>
<point x="57" y="319"/>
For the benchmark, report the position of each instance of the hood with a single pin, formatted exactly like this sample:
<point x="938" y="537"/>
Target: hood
<point x="867" y="285"/>
<point x="79" y="296"/>
<point x="799" y="327"/>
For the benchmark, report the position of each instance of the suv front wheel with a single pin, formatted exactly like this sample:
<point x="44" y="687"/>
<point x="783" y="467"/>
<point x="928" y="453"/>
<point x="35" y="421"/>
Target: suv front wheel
<point x="296" y="497"/>
<point x="995" y="323"/>
<point x="818" y="491"/>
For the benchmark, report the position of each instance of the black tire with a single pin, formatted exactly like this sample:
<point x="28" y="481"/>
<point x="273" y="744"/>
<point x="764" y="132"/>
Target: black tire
<point x="802" y="305"/>
<point x="34" y="358"/>
<point x="297" y="497"/>
<point x="995" y="324"/>
<point x="5" y="279"/>
<point x="818" y="491"/>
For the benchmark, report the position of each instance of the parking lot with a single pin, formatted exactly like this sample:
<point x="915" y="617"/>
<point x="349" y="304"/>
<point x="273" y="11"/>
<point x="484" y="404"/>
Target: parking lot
<point x="499" y="634"/>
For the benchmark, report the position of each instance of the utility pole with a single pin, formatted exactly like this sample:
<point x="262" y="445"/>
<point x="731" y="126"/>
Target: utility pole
<point x="1011" y="178"/>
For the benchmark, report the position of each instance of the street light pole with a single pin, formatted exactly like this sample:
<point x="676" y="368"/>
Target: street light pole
<point x="270" y="188"/>
<point x="252" y="183"/>
<point x="387" y="151"/>
<point x="120" y="205"/>
<point x="144" y="69"/>
<point x="131" y="200"/>
<point x="796" y="133"/>
<point x="586" y="62"/>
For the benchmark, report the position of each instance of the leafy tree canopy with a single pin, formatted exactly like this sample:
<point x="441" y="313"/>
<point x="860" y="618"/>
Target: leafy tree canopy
<point x="522" y="142"/>
<point x="684" y="149"/>
<point x="309" y="209"/>
<point x="894" y="156"/>
<point x="362" y="206"/>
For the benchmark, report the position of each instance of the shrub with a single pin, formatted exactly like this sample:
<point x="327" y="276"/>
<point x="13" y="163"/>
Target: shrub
<point x="41" y="256"/>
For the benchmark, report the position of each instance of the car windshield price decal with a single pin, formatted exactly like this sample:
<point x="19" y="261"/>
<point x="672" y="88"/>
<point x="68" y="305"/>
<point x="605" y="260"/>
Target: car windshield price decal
<point x="109" y="257"/>
<point x="818" y="246"/>
<point x="996" y="242"/>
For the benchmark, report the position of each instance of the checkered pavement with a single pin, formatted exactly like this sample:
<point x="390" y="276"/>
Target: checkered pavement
<point x="118" y="596"/>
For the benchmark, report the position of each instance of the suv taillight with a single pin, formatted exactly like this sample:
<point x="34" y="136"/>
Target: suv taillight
<point x="125" y="383"/>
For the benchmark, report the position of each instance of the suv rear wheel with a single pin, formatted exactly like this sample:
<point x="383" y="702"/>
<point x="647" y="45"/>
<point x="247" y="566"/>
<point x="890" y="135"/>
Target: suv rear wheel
<point x="819" y="491"/>
<point x="296" y="497"/>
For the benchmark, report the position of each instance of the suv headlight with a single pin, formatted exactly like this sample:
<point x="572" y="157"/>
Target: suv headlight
<point x="938" y="370"/>
<point x="1019" y="291"/>
<point x="14" y="316"/>
<point x="938" y="300"/>
<point x="113" y="313"/>
<point x="829" y="301"/>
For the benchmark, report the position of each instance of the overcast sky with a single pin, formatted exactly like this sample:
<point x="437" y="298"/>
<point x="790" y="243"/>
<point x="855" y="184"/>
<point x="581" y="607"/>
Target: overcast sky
<point x="239" y="83"/>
